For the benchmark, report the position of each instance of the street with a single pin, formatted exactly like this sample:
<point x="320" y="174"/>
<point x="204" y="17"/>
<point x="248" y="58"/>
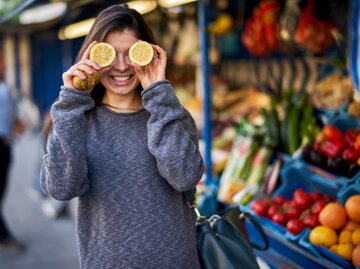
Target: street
<point x="50" y="242"/>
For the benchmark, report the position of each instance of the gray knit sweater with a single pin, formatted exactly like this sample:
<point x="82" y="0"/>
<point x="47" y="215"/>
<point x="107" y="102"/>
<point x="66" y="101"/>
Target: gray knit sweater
<point x="128" y="170"/>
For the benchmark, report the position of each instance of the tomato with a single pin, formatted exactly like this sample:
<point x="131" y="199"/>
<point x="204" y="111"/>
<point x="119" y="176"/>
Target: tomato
<point x="288" y="203"/>
<point x="317" y="207"/>
<point x="302" y="200"/>
<point x="295" y="226"/>
<point x="328" y="198"/>
<point x="279" y="199"/>
<point x="298" y="192"/>
<point x="259" y="207"/>
<point x="292" y="212"/>
<point x="279" y="218"/>
<point x="272" y="210"/>
<point x="311" y="221"/>
<point x="316" y="196"/>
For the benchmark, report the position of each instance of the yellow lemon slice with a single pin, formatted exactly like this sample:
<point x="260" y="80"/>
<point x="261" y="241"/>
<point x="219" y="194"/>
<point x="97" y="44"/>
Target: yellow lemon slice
<point x="102" y="53"/>
<point x="141" y="53"/>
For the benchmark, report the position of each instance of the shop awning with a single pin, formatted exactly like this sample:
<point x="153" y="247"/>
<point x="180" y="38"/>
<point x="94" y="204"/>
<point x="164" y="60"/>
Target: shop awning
<point x="10" y="9"/>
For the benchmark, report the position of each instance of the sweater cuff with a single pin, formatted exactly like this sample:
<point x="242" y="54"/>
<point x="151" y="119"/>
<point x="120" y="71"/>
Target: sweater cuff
<point x="155" y="86"/>
<point x="73" y="90"/>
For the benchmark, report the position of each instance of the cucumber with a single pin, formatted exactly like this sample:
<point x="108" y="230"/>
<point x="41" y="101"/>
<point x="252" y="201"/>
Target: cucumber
<point x="292" y="132"/>
<point x="274" y="126"/>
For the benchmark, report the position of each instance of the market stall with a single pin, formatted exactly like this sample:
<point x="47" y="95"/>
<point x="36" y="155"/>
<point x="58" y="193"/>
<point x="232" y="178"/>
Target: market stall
<point x="280" y="135"/>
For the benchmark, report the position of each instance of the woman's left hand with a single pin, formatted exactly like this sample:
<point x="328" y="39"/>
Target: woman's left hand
<point x="154" y="71"/>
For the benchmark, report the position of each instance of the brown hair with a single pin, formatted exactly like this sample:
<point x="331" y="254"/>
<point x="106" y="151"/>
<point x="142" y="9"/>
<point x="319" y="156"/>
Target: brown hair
<point x="113" y="18"/>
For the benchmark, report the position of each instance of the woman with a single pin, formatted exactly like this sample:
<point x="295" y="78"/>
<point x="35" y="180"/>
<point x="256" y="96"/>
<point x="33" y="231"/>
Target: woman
<point x="128" y="150"/>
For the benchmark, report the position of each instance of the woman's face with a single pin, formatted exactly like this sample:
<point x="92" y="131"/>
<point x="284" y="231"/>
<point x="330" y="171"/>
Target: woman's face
<point x="120" y="78"/>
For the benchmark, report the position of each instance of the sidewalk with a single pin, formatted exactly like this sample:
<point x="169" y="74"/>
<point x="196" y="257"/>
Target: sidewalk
<point x="50" y="243"/>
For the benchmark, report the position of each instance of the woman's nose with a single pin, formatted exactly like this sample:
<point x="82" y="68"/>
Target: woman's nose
<point x="122" y="62"/>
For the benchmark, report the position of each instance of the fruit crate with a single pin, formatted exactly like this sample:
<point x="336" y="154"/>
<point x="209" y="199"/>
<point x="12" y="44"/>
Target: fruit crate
<point x="294" y="175"/>
<point x="322" y="253"/>
<point x="337" y="262"/>
<point x="343" y="121"/>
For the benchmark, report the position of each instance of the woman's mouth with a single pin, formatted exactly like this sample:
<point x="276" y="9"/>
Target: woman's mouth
<point x="121" y="79"/>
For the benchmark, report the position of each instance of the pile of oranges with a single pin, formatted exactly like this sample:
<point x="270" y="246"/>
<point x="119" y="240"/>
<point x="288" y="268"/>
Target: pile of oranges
<point x="340" y="229"/>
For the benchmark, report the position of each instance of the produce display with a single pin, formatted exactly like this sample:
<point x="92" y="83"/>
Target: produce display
<point x="336" y="151"/>
<point x="339" y="229"/>
<point x="295" y="214"/>
<point x="291" y="162"/>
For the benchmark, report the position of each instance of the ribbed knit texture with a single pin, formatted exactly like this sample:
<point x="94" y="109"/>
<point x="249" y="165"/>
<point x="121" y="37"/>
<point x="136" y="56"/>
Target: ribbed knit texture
<point x="128" y="170"/>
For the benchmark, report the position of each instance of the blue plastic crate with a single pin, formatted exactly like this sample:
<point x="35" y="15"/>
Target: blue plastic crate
<point x="296" y="174"/>
<point x="342" y="120"/>
<point x="348" y="191"/>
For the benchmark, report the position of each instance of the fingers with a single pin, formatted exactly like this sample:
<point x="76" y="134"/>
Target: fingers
<point x="86" y="54"/>
<point x="160" y="52"/>
<point x="81" y="68"/>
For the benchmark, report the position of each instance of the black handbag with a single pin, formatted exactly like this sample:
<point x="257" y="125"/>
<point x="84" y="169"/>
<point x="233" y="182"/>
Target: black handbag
<point x="222" y="239"/>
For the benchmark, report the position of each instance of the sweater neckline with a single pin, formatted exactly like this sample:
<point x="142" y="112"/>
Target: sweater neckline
<point x="109" y="111"/>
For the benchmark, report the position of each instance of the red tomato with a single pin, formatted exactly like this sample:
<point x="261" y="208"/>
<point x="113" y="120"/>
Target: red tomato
<point x="316" y="196"/>
<point x="273" y="208"/>
<point x="317" y="207"/>
<point x="298" y="192"/>
<point x="279" y="218"/>
<point x="328" y="198"/>
<point x="311" y="221"/>
<point x="288" y="203"/>
<point x="259" y="207"/>
<point x="295" y="226"/>
<point x="292" y="212"/>
<point x="302" y="200"/>
<point x="279" y="199"/>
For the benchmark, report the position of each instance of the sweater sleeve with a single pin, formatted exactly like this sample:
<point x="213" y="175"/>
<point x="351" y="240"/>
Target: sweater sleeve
<point x="172" y="137"/>
<point x="64" y="168"/>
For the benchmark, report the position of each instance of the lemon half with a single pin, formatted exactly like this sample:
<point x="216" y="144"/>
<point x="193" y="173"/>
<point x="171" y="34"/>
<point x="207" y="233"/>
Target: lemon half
<point x="141" y="53"/>
<point x="103" y="54"/>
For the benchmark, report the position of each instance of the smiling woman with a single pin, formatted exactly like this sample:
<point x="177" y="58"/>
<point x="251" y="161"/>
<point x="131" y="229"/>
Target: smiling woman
<point x="128" y="150"/>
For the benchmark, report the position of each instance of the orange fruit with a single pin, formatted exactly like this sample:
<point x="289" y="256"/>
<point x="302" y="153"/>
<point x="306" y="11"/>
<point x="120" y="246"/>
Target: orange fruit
<point x="323" y="235"/>
<point x="356" y="256"/>
<point x="333" y="215"/>
<point x="345" y="236"/>
<point x="334" y="248"/>
<point x="141" y="53"/>
<point x="103" y="54"/>
<point x="355" y="237"/>
<point x="351" y="225"/>
<point x="352" y="207"/>
<point x="345" y="251"/>
<point x="88" y="83"/>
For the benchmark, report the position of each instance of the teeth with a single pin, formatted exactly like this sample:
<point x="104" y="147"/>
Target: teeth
<point x="122" y="78"/>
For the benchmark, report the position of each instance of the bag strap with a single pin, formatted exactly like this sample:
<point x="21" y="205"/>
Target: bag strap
<point x="246" y="215"/>
<point x="192" y="203"/>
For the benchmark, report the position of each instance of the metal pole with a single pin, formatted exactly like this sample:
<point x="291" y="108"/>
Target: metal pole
<point x="205" y="81"/>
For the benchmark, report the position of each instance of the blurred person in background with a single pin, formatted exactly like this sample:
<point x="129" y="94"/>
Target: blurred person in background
<point x="128" y="150"/>
<point x="10" y="126"/>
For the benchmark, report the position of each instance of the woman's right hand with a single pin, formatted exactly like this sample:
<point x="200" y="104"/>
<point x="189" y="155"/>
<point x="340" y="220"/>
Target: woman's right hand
<point x="85" y="65"/>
